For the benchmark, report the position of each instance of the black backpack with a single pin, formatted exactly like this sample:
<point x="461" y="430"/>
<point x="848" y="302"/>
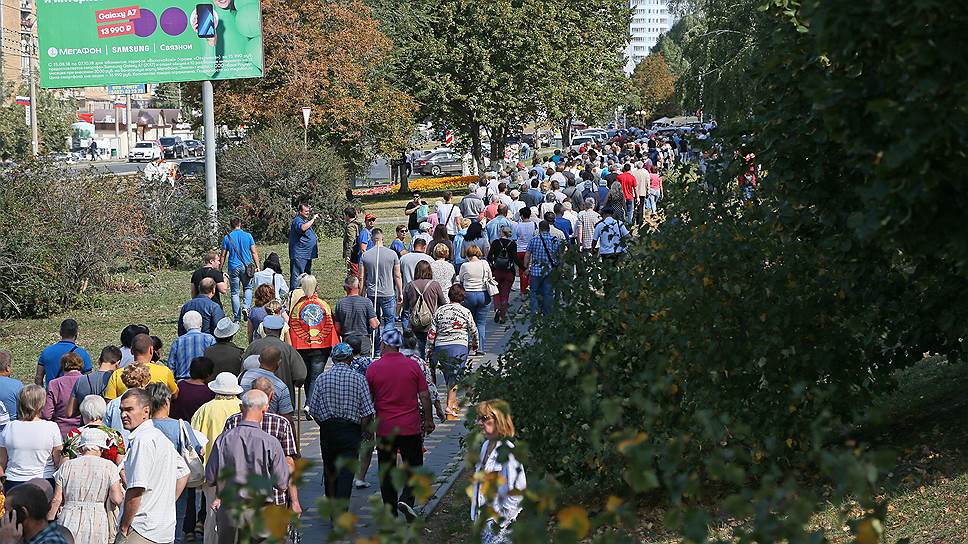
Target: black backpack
<point x="503" y="261"/>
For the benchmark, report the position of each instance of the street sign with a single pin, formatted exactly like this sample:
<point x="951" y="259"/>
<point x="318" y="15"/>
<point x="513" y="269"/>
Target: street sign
<point x="306" y="116"/>
<point x="115" y="42"/>
<point x="137" y="88"/>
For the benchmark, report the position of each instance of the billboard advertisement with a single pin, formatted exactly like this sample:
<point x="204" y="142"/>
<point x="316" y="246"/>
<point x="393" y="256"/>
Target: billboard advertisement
<point x="94" y="43"/>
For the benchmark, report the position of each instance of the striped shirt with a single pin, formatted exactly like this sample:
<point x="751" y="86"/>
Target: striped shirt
<point x="185" y="348"/>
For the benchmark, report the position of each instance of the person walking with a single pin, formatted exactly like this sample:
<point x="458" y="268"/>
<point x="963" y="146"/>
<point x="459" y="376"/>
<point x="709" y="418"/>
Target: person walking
<point x="399" y="244"/>
<point x="30" y="447"/>
<point x="239" y="453"/>
<point x="421" y="298"/>
<point x="629" y="190"/>
<point x="450" y="338"/>
<point x="207" y="309"/>
<point x="355" y="316"/>
<point x="382" y="283"/>
<point x="303" y="243"/>
<point x="95" y="382"/>
<point x="292" y="369"/>
<point x="312" y="330"/>
<point x="93" y="409"/>
<point x="416" y="210"/>
<point x="280" y="402"/>
<point x="271" y="274"/>
<point x="193" y="392"/>
<point x="225" y="355"/>
<point x="448" y="214"/>
<point x="342" y="407"/>
<point x="443" y="271"/>
<point x="440" y="237"/>
<point x="143" y="350"/>
<point x="241" y="255"/>
<point x="211" y="268"/>
<point x="59" y="394"/>
<point x="471" y="206"/>
<point x="396" y="382"/>
<point x="351" y="242"/>
<point x="49" y="362"/>
<point x="86" y="489"/>
<point x="134" y="376"/>
<point x="409" y="261"/>
<point x="496" y="457"/>
<point x="474" y="277"/>
<point x="503" y="259"/>
<point x="494" y="226"/>
<point x="541" y="258"/>
<point x="155" y="473"/>
<point x="610" y="237"/>
<point x="190" y="345"/>
<point x="9" y="387"/>
<point x="588" y="218"/>
<point x="260" y="300"/>
<point x="524" y="231"/>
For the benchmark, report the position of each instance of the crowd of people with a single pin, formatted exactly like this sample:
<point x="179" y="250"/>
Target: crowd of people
<point x="146" y="444"/>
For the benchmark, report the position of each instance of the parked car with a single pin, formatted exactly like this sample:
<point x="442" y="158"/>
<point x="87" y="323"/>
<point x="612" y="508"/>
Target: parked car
<point x="579" y="141"/>
<point x="173" y="147"/>
<point x="194" y="148"/>
<point x="190" y="170"/>
<point x="440" y="162"/>
<point x="146" y="150"/>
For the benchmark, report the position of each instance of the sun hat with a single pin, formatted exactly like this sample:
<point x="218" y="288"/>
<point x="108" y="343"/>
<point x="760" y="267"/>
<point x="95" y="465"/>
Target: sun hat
<point x="225" y="384"/>
<point x="392" y="338"/>
<point x="226" y="328"/>
<point x="342" y="353"/>
<point x="92" y="437"/>
<point x="250" y="362"/>
<point x="274" y="322"/>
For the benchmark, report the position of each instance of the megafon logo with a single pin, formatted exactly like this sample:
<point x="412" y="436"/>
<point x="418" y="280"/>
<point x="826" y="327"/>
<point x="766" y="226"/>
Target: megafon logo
<point x="53" y="51"/>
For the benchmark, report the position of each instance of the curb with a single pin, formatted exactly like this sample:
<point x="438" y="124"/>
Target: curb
<point x="455" y="472"/>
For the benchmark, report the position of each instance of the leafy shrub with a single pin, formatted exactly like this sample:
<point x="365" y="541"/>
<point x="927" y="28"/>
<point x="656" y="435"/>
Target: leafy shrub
<point x="177" y="226"/>
<point x="61" y="231"/>
<point x="263" y="180"/>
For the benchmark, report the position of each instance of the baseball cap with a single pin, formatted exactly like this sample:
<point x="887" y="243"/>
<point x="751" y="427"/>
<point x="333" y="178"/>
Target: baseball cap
<point x="274" y="322"/>
<point x="369" y="216"/>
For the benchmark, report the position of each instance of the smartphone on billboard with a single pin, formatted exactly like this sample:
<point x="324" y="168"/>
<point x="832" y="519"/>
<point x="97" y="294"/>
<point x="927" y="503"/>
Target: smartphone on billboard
<point x="205" y="14"/>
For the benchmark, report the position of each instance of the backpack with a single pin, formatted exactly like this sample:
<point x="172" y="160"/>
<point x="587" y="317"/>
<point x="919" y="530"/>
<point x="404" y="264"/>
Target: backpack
<point x="588" y="191"/>
<point x="502" y="261"/>
<point x="422" y="316"/>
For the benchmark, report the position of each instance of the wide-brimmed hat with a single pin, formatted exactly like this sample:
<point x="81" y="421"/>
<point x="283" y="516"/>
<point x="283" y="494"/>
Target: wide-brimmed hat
<point x="225" y="384"/>
<point x="226" y="328"/>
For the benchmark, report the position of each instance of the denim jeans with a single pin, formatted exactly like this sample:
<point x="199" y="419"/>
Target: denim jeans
<point x="298" y="266"/>
<point x="629" y="210"/>
<point x="386" y="311"/>
<point x="235" y="282"/>
<point x="413" y="235"/>
<point x="541" y="295"/>
<point x="181" y="507"/>
<point x="315" y="363"/>
<point x="477" y="302"/>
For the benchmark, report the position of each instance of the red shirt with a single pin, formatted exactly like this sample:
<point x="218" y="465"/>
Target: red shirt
<point x="628" y="185"/>
<point x="395" y="380"/>
<point x="655" y="182"/>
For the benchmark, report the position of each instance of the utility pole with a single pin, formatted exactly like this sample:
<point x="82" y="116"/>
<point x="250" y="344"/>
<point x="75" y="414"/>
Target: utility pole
<point x="208" y="120"/>
<point x="128" y="115"/>
<point x="34" y="138"/>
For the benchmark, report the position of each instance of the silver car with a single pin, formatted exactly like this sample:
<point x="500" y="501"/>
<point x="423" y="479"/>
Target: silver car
<point x="439" y="163"/>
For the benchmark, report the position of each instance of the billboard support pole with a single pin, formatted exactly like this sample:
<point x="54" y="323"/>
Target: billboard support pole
<point x="208" y="119"/>
<point x="34" y="144"/>
<point x="128" y="115"/>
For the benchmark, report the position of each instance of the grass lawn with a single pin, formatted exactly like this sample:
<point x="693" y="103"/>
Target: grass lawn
<point x="153" y="299"/>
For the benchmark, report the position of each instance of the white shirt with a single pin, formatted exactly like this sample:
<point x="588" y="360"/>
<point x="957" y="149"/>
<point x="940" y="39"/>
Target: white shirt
<point x="408" y="264"/>
<point x="505" y="504"/>
<point x="29" y="446"/>
<point x="609" y="234"/>
<point x="505" y="199"/>
<point x="473" y="275"/>
<point x="560" y="178"/>
<point x="422" y="236"/>
<point x="448" y="210"/>
<point x="126" y="357"/>
<point x="572" y="218"/>
<point x="515" y="208"/>
<point x="268" y="276"/>
<point x="153" y="464"/>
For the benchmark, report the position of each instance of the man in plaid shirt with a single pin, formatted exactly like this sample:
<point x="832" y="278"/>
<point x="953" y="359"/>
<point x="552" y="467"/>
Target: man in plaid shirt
<point x="542" y="256"/>
<point x="280" y="429"/>
<point x="342" y="406"/>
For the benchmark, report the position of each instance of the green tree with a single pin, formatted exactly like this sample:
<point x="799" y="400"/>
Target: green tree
<point x="655" y="86"/>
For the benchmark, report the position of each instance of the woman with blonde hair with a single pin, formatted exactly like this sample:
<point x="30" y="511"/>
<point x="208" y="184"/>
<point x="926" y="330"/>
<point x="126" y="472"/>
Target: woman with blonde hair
<point x="29" y="447"/>
<point x="86" y="488"/>
<point x="133" y="376"/>
<point x="312" y="331"/>
<point x="474" y="277"/>
<point x="442" y="270"/>
<point x="497" y="428"/>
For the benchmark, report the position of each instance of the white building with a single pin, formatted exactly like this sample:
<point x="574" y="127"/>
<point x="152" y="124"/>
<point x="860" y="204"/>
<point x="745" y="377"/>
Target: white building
<point x="650" y="18"/>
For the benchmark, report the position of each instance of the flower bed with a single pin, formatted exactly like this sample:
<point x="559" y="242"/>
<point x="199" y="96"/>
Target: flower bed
<point x="425" y="185"/>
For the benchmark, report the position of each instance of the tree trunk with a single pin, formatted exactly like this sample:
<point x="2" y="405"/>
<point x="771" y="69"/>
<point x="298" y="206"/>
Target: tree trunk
<point x="499" y="138"/>
<point x="476" y="152"/>
<point x="404" y="175"/>
<point x="566" y="132"/>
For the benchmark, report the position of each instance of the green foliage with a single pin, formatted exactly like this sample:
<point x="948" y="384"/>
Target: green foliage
<point x="54" y="119"/>
<point x="61" y="232"/>
<point x="177" y="228"/>
<point x="263" y="180"/>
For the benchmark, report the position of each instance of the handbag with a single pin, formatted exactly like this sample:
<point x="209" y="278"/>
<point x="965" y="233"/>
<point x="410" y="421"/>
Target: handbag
<point x="491" y="284"/>
<point x="196" y="469"/>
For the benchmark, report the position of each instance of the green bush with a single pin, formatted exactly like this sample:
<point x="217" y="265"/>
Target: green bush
<point x="61" y="231"/>
<point x="262" y="181"/>
<point x="177" y="226"/>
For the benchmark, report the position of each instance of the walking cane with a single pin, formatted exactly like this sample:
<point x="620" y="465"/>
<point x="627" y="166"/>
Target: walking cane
<point x="298" y="420"/>
<point x="376" y="287"/>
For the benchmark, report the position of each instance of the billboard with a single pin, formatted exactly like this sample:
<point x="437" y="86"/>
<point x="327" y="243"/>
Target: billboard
<point x="94" y="43"/>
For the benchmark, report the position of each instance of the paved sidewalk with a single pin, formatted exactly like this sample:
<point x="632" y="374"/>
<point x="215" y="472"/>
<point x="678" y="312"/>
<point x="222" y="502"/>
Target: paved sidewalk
<point x="441" y="458"/>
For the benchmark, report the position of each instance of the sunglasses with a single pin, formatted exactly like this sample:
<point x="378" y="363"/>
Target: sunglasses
<point x="484" y="419"/>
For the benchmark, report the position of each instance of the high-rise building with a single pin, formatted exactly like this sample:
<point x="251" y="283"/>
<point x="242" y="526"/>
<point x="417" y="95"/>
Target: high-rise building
<point x="650" y="18"/>
<point x="16" y="40"/>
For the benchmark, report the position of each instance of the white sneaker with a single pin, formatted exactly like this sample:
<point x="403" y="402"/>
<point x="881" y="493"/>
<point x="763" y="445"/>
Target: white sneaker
<point x="360" y="484"/>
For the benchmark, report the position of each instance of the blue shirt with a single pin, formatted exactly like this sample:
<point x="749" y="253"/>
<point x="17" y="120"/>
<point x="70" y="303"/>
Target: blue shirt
<point x="281" y="402"/>
<point x="493" y="227"/>
<point x="9" y="389"/>
<point x="398" y="246"/>
<point x="210" y="310"/>
<point x="543" y="261"/>
<point x="564" y="226"/>
<point x="51" y="356"/>
<point x="609" y="234"/>
<point x="244" y="242"/>
<point x="185" y="348"/>
<point x="364" y="238"/>
<point x="302" y="243"/>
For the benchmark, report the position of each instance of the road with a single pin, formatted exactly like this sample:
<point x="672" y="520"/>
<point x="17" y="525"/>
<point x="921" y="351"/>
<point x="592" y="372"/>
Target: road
<point x="379" y="170"/>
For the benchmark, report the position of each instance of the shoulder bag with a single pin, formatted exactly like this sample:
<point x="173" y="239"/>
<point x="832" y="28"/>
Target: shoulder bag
<point x="196" y="469"/>
<point x="490" y="283"/>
